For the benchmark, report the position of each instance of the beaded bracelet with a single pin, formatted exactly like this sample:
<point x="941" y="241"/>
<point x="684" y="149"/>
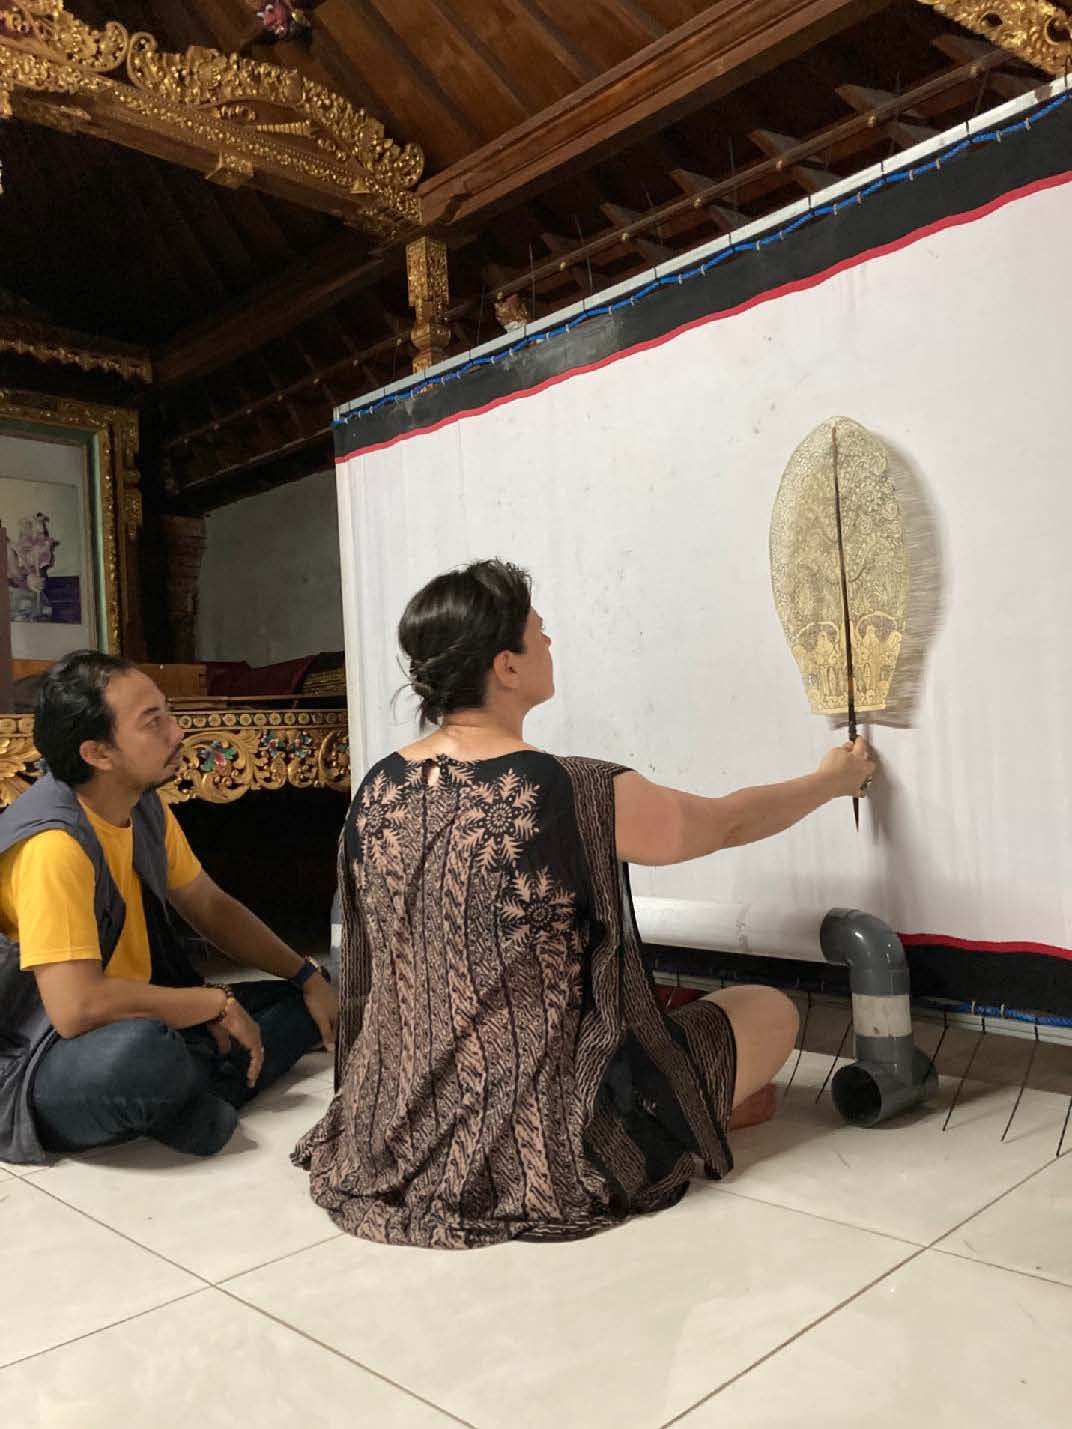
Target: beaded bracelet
<point x="228" y="998"/>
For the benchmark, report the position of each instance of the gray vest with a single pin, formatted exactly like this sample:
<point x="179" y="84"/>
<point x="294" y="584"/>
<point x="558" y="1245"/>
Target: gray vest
<point x="26" y="1033"/>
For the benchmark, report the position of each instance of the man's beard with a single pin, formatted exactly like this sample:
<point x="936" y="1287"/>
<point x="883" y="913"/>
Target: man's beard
<point x="167" y="779"/>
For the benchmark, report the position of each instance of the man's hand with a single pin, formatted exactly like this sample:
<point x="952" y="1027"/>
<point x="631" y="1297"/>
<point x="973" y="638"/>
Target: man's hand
<point x="323" y="1007"/>
<point x="237" y="1026"/>
<point x="849" y="766"/>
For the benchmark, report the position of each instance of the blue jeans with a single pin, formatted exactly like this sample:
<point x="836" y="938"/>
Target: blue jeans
<point x="139" y="1077"/>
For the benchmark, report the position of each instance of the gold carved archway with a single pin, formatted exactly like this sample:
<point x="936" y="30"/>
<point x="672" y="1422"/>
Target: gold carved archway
<point x="236" y="120"/>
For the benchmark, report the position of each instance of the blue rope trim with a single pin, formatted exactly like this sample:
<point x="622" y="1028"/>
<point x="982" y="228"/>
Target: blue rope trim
<point x="687" y="275"/>
<point x="982" y="1009"/>
<point x="931" y="1004"/>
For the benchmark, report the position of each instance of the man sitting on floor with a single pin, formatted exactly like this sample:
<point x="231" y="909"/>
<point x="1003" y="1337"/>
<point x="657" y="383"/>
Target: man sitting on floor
<point x="106" y="1032"/>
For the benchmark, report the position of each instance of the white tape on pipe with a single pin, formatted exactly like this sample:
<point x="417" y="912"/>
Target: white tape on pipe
<point x="881" y="1016"/>
<point x="764" y="930"/>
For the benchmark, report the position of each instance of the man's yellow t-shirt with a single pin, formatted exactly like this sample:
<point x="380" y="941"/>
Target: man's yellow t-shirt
<point x="46" y="895"/>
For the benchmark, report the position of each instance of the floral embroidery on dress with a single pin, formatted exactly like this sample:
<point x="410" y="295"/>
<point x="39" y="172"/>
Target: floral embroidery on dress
<point x="501" y="819"/>
<point x="380" y="818"/>
<point x="537" y="909"/>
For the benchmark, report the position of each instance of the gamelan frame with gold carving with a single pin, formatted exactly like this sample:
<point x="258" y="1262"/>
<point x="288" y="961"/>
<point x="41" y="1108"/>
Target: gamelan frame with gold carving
<point x="110" y="435"/>
<point x="227" y="752"/>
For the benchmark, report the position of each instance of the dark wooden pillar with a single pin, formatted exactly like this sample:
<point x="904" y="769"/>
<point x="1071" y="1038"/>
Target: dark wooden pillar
<point x="7" y="692"/>
<point x="185" y="538"/>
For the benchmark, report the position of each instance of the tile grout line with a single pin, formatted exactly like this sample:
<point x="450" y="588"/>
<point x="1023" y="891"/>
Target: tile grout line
<point x="100" y="1329"/>
<point x="799" y="1334"/>
<point x="159" y="1254"/>
<point x="341" y="1354"/>
<point x="277" y="1259"/>
<point x="220" y="1286"/>
<point x="990" y="1204"/>
<point x="922" y="1250"/>
<point x="114" y="1230"/>
<point x="827" y="1220"/>
<point x="1005" y="1269"/>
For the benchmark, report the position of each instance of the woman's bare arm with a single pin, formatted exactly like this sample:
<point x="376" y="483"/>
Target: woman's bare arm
<point x="655" y="825"/>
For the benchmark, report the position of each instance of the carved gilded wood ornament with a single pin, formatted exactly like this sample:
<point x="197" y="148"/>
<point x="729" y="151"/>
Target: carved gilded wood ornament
<point x="1033" y="30"/>
<point x="239" y="121"/>
<point x="29" y="338"/>
<point x="225" y="754"/>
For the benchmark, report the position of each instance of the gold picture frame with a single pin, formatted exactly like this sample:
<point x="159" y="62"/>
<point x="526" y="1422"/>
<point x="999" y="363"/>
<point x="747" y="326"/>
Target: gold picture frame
<point x="111" y="503"/>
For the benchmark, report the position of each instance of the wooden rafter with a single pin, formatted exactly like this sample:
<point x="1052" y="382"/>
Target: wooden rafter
<point x="642" y="19"/>
<point x="579" y="65"/>
<point x="846" y="137"/>
<point x="422" y="78"/>
<point x="511" y="87"/>
<point x="729" y="43"/>
<point x="294" y="299"/>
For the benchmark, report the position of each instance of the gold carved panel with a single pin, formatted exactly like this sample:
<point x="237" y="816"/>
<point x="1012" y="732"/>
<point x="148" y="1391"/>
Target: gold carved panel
<point x="1033" y="30"/>
<point x="225" y="753"/>
<point x="47" y="344"/>
<point x="237" y="120"/>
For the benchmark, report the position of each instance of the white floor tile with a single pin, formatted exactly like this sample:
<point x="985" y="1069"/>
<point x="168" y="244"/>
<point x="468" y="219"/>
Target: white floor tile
<point x="216" y="1215"/>
<point x="63" y="1276"/>
<point x="1030" y="1229"/>
<point x="942" y="1342"/>
<point x="618" y="1332"/>
<point x="906" y="1177"/>
<point x="206" y="1362"/>
<point x="8" y="1168"/>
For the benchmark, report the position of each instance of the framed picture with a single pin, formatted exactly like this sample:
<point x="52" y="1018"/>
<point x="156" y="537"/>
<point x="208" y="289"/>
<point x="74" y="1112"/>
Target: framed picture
<point x="71" y="508"/>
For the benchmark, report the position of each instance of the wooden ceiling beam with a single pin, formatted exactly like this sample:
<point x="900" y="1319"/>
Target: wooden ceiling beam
<point x="729" y="43"/>
<point x="580" y="65"/>
<point x="641" y="18"/>
<point x="306" y="291"/>
<point x="691" y="184"/>
<point x="284" y="396"/>
<point x="320" y="438"/>
<point x="422" y="77"/>
<point x="511" y="87"/>
<point x="808" y="174"/>
<point x="962" y="51"/>
<point x="904" y="132"/>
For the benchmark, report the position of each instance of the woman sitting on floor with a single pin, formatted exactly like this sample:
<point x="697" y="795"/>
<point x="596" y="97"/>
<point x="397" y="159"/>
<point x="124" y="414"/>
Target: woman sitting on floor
<point x="503" y="1068"/>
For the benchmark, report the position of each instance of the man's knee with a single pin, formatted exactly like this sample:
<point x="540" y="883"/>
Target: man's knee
<point x="149" y="1062"/>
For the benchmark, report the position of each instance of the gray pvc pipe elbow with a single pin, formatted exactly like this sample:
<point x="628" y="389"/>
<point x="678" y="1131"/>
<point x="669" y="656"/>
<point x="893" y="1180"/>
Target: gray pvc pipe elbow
<point x="890" y="1074"/>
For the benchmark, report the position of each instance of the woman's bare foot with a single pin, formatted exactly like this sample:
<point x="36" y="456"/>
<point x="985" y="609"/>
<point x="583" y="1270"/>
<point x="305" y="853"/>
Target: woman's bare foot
<point x="757" y="1108"/>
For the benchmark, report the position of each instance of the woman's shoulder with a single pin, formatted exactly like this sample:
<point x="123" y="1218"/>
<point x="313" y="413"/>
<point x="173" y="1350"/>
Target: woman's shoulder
<point x="584" y="766"/>
<point x="390" y="769"/>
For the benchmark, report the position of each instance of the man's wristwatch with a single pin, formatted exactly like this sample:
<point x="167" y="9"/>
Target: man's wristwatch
<point x="309" y="967"/>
